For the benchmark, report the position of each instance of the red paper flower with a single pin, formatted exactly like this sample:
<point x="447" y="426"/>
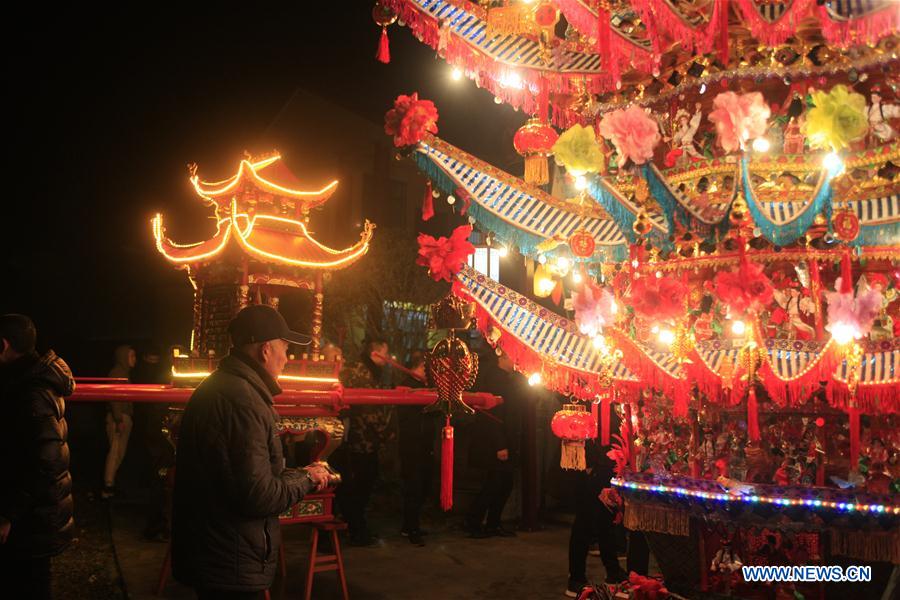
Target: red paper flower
<point x="646" y="588"/>
<point x="410" y="120"/>
<point x="443" y="256"/>
<point x="657" y="297"/>
<point x="744" y="289"/>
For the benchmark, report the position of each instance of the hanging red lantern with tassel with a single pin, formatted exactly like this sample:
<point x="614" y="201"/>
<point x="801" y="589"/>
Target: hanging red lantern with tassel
<point x="534" y="141"/>
<point x="452" y="368"/>
<point x="383" y="15"/>
<point x="573" y="424"/>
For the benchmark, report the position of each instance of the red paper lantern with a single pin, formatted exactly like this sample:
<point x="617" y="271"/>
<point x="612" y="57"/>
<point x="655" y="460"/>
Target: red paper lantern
<point x="573" y="424"/>
<point x="534" y="141"/>
<point x="582" y="244"/>
<point x="545" y="15"/>
<point x="846" y="225"/>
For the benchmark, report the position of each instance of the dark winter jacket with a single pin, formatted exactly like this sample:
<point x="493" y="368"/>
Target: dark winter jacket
<point x="499" y="428"/>
<point x="35" y="484"/>
<point x="230" y="481"/>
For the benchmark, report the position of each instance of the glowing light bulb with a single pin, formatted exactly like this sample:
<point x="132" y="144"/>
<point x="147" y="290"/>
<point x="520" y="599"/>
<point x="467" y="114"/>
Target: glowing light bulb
<point x="702" y="88"/>
<point x="451" y="200"/>
<point x="667" y="337"/>
<point x="534" y="379"/>
<point x="580" y="182"/>
<point x="511" y="79"/>
<point x="562" y="263"/>
<point x="542" y="259"/>
<point x="833" y="164"/>
<point x="456" y="74"/>
<point x="844" y="333"/>
<point x="761" y="145"/>
<point x="576" y="277"/>
<point x="498" y="100"/>
<point x="613" y="307"/>
<point x="599" y="343"/>
<point x="635" y="263"/>
<point x="502" y="251"/>
<point x="738" y="328"/>
<point x="659" y="274"/>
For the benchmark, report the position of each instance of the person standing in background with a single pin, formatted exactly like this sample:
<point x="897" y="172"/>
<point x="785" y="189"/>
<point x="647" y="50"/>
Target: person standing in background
<point x="119" y="420"/>
<point x="369" y="429"/>
<point x="494" y="448"/>
<point x="149" y="420"/>
<point x="416" y="444"/>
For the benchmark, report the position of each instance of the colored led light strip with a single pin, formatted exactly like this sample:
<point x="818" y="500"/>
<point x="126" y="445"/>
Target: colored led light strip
<point x="756" y="499"/>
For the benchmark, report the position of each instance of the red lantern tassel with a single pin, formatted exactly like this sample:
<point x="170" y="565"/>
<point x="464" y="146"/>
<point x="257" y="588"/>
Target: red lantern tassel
<point x="447" y="466"/>
<point x="427" y="202"/>
<point x="723" y="32"/>
<point x="752" y="415"/>
<point x="605" y="44"/>
<point x="605" y="403"/>
<point x="846" y="272"/>
<point x="384" y="48"/>
<point x="853" y="413"/>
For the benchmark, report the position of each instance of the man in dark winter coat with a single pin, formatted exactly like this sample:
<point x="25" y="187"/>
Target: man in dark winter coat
<point x="230" y="480"/>
<point x="35" y="484"/>
<point x="495" y="445"/>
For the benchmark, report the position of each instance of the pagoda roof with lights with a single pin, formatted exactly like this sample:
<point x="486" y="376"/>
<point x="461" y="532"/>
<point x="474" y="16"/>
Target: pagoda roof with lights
<point x="261" y="212"/>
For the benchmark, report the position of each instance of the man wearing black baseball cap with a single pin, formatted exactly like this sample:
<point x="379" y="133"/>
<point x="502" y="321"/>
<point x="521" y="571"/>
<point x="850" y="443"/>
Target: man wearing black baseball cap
<point x="230" y="480"/>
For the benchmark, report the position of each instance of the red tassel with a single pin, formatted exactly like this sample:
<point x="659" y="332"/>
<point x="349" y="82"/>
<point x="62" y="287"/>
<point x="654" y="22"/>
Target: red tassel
<point x="680" y="409"/>
<point x="723" y="32"/>
<point x="605" y="44"/>
<point x="384" y="48"/>
<point x="626" y="431"/>
<point x="463" y="195"/>
<point x="853" y="413"/>
<point x="447" y="466"/>
<point x="846" y="272"/>
<point x="752" y="415"/>
<point x="605" y="403"/>
<point x="427" y="203"/>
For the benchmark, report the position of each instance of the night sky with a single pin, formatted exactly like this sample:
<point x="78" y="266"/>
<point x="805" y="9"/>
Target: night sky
<point x="108" y="109"/>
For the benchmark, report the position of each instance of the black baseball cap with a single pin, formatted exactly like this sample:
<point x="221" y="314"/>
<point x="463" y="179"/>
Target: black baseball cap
<point x="261" y="323"/>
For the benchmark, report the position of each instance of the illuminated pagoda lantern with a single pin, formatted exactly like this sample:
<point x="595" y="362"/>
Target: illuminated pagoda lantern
<point x="262" y="249"/>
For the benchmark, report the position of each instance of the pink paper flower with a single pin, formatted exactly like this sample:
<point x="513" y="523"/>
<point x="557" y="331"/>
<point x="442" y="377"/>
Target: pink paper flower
<point x="594" y="307"/>
<point x="739" y="118"/>
<point x="852" y="316"/>
<point x="632" y="132"/>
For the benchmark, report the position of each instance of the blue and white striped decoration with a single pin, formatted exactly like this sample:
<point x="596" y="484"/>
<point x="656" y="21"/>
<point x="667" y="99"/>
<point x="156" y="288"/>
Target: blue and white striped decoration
<point x="877" y="367"/>
<point x="843" y="10"/>
<point x="874" y="211"/>
<point x="526" y="211"/>
<point x="513" y="50"/>
<point x="558" y="342"/>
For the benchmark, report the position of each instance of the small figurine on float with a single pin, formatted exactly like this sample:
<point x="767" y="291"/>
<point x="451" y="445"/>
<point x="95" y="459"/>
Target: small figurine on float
<point x="685" y="131"/>
<point x="880" y="115"/>
<point x="794" y="303"/>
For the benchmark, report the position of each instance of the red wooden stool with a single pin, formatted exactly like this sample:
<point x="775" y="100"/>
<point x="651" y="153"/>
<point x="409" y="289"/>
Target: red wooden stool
<point x="319" y="563"/>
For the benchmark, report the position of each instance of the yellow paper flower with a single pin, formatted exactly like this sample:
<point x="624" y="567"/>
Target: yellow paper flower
<point x="838" y="118"/>
<point x="578" y="151"/>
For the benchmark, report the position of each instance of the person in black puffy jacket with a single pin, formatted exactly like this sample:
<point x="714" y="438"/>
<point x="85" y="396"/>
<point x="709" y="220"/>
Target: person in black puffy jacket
<point x="35" y="484"/>
<point x="230" y="480"/>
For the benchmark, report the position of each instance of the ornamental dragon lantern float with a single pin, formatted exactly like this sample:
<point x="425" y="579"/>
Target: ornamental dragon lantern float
<point x="262" y="249"/>
<point x="728" y="274"/>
